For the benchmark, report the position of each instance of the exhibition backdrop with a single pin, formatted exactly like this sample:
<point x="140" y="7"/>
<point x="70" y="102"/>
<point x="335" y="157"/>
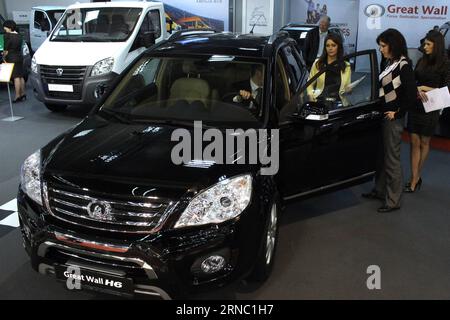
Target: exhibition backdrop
<point x="341" y="12"/>
<point x="412" y="18"/>
<point x="257" y="15"/>
<point x="186" y="13"/>
<point x="199" y="13"/>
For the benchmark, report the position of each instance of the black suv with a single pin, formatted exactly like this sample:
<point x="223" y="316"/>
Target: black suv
<point x="104" y="204"/>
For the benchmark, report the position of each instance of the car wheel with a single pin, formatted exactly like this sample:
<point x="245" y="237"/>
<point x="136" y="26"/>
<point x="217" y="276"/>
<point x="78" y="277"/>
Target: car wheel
<point x="265" y="260"/>
<point x="56" y="107"/>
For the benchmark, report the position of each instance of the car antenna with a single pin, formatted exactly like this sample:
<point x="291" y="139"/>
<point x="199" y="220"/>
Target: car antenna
<point x="251" y="31"/>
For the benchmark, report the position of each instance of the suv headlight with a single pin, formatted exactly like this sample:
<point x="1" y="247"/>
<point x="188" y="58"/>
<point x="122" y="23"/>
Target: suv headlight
<point x="102" y="67"/>
<point x="30" y="177"/>
<point x="34" y="66"/>
<point x="221" y="202"/>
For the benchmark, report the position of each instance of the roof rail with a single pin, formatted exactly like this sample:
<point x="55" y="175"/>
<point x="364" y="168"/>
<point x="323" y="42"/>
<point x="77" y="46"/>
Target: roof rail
<point x="188" y="32"/>
<point x="277" y="35"/>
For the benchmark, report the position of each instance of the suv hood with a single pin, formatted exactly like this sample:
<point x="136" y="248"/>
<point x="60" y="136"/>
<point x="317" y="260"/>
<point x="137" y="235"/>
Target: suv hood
<point x="102" y="150"/>
<point x="74" y="53"/>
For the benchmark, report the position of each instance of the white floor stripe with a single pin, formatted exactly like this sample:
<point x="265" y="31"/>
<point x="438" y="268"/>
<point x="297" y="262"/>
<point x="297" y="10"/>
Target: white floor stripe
<point x="12" y="220"/>
<point x="10" y="206"/>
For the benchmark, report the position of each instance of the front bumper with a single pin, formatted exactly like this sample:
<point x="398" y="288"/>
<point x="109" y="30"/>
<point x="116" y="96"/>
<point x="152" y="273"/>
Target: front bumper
<point x="165" y="265"/>
<point x="89" y="87"/>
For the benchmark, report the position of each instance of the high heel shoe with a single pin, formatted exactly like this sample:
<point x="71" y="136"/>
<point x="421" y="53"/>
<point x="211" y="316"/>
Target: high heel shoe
<point x="16" y="100"/>
<point x="24" y="97"/>
<point x="409" y="189"/>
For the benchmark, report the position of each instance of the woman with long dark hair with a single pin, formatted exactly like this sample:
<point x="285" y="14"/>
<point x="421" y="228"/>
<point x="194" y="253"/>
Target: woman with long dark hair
<point x="13" y="54"/>
<point x="334" y="81"/>
<point x="398" y="94"/>
<point x="432" y="71"/>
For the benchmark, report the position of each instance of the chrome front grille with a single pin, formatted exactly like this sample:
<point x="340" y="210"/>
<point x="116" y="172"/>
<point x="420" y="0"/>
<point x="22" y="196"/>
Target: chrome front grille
<point x="106" y="212"/>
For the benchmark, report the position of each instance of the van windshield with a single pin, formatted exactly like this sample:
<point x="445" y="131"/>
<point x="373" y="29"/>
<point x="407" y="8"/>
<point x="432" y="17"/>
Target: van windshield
<point x="55" y="15"/>
<point x="206" y="88"/>
<point x="96" y="25"/>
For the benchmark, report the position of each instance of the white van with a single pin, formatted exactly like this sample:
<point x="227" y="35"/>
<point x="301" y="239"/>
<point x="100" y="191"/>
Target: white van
<point x="42" y="21"/>
<point x="91" y="44"/>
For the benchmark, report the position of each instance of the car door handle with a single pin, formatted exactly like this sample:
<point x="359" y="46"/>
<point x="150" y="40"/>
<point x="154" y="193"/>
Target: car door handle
<point x="364" y="116"/>
<point x="326" y="126"/>
<point x="375" y="113"/>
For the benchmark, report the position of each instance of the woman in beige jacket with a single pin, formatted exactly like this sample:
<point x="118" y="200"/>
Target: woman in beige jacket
<point x="333" y="83"/>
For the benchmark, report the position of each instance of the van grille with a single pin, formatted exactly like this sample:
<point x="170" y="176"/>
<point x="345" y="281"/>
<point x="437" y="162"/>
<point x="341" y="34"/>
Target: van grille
<point x="113" y="213"/>
<point x="70" y="76"/>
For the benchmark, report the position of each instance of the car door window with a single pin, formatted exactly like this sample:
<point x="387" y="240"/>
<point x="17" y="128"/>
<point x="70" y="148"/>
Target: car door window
<point x="343" y="84"/>
<point x="292" y="68"/>
<point x="152" y="23"/>
<point x="39" y="19"/>
<point x="282" y="84"/>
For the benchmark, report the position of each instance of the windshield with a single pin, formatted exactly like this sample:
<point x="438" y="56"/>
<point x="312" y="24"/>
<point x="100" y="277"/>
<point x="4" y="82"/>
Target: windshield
<point x="54" y="15"/>
<point x="96" y="24"/>
<point x="219" y="90"/>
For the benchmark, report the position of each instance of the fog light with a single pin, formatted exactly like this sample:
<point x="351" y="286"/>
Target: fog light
<point x="213" y="264"/>
<point x="100" y="91"/>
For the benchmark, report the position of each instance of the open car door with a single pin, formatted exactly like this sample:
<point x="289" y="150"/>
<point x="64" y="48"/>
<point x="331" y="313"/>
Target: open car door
<point x="330" y="136"/>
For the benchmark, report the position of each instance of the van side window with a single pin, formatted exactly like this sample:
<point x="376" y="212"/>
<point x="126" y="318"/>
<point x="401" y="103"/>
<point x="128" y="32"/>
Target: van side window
<point x="152" y="22"/>
<point x="39" y="19"/>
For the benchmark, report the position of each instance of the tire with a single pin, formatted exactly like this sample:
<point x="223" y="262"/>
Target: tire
<point x="264" y="262"/>
<point x="56" y="107"/>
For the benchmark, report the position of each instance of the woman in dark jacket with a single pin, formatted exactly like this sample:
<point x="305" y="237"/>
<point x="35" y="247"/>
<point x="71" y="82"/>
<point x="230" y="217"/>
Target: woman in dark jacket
<point x="398" y="93"/>
<point x="13" y="54"/>
<point x="432" y="71"/>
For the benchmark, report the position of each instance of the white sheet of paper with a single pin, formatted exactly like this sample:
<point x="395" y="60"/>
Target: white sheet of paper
<point x="6" y="70"/>
<point x="437" y="99"/>
<point x="60" y="87"/>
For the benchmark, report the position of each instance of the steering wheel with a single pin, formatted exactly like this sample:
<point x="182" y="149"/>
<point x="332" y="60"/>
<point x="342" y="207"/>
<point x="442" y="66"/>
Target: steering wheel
<point x="233" y="94"/>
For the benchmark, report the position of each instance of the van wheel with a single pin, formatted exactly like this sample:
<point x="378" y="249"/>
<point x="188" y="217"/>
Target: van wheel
<point x="56" y="107"/>
<point x="265" y="260"/>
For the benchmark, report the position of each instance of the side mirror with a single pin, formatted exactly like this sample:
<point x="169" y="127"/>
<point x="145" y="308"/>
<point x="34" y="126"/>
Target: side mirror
<point x="148" y="39"/>
<point x="311" y="112"/>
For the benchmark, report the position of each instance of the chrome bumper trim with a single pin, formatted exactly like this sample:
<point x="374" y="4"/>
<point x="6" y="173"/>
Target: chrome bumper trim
<point x="43" y="248"/>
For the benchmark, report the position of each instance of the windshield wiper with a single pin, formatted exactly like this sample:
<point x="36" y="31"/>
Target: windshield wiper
<point x="91" y="39"/>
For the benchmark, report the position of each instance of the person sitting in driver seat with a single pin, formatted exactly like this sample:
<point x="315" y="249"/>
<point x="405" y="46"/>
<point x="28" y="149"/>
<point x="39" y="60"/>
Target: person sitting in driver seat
<point x="251" y="90"/>
<point x="333" y="84"/>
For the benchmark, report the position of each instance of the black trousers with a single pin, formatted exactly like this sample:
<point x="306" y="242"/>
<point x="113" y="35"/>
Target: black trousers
<point x="389" y="175"/>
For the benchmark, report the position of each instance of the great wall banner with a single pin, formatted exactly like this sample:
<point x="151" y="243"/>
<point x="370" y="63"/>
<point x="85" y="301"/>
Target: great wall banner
<point x="412" y="18"/>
